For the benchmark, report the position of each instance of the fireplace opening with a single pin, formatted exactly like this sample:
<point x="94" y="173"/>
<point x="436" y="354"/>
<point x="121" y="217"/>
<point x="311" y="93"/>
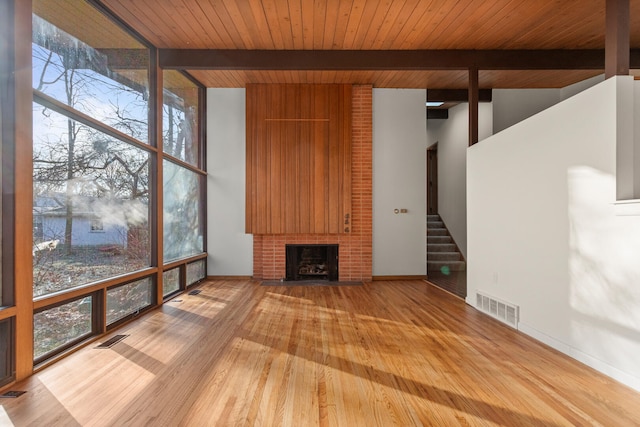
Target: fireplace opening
<point x="312" y="262"/>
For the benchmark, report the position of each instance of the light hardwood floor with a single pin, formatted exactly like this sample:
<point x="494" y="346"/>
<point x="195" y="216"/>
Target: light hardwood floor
<point x="398" y="353"/>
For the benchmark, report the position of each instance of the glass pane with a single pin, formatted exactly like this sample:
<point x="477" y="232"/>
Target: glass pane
<point x="90" y="204"/>
<point x="6" y="352"/>
<point x="170" y="281"/>
<point x="61" y="325"/>
<point x="181" y="215"/>
<point x="195" y="272"/>
<point x="99" y="70"/>
<point x="127" y="299"/>
<point x="180" y="117"/>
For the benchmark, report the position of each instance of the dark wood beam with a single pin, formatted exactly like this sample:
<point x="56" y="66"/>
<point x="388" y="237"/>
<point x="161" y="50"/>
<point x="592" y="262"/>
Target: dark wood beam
<point x="437" y="113"/>
<point x="155" y="172"/>
<point x="617" y="38"/>
<point x="457" y="95"/>
<point x="212" y="59"/>
<point x="473" y="105"/>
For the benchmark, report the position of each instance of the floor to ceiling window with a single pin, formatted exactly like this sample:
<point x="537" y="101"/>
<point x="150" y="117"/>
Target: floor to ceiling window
<point x="91" y="163"/>
<point x="183" y="177"/>
<point x="90" y="173"/>
<point x="97" y="260"/>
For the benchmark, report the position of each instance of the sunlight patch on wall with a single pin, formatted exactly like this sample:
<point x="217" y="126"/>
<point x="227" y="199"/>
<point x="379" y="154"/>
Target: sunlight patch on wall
<point x="604" y="261"/>
<point x="604" y="266"/>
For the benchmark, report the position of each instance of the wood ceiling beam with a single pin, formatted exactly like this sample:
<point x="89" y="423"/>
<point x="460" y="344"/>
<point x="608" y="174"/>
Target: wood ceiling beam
<point x="213" y="59"/>
<point x="441" y="114"/>
<point x="457" y="95"/>
<point x="617" y="38"/>
<point x="474" y="96"/>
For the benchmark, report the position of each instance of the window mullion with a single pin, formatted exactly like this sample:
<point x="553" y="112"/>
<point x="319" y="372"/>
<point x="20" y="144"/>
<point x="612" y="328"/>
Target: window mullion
<point x="61" y="108"/>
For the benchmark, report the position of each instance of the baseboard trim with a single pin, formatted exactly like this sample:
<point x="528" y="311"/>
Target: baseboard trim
<point x="391" y="278"/>
<point x="598" y="365"/>
<point x="229" y="278"/>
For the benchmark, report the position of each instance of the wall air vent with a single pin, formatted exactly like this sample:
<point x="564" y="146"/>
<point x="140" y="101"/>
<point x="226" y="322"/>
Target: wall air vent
<point x="503" y="311"/>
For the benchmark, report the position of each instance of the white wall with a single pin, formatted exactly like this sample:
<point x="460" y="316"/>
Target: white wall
<point x="452" y="136"/>
<point x="399" y="182"/>
<point x="511" y="106"/>
<point x="576" y="88"/>
<point x="542" y="232"/>
<point x="230" y="250"/>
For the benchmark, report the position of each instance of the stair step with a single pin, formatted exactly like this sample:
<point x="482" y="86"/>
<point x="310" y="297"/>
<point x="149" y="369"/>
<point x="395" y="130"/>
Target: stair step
<point x="441" y="247"/>
<point x="444" y="266"/>
<point x="442" y="253"/>
<point x="443" y="256"/>
<point x="438" y="239"/>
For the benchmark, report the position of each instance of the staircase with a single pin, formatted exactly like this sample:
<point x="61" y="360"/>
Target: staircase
<point x="442" y="252"/>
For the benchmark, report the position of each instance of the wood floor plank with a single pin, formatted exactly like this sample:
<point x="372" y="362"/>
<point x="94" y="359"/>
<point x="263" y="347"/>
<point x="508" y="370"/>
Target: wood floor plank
<point x="397" y="353"/>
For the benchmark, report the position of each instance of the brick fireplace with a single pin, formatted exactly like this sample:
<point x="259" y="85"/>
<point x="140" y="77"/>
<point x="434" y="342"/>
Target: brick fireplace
<point x="355" y="247"/>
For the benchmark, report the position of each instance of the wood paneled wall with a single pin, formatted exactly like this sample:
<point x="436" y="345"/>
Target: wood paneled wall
<point x="298" y="159"/>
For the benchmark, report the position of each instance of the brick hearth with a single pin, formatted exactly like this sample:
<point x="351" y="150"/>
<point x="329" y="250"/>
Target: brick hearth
<point x="355" y="248"/>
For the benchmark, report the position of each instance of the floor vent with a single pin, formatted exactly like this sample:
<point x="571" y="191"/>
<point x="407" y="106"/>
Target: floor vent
<point x="112" y="341"/>
<point x="12" y="394"/>
<point x="195" y="292"/>
<point x="503" y="311"/>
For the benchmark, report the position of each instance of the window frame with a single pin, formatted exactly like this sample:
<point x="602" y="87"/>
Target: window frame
<point x="181" y="274"/>
<point x="9" y="49"/>
<point x="98" y="290"/>
<point x="96" y="304"/>
<point x="63" y="109"/>
<point x="8" y="147"/>
<point x="199" y="167"/>
<point x="200" y="171"/>
<point x="141" y="310"/>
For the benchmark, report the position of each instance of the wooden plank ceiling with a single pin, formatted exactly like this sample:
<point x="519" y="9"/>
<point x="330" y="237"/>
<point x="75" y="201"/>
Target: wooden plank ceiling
<point x="375" y="25"/>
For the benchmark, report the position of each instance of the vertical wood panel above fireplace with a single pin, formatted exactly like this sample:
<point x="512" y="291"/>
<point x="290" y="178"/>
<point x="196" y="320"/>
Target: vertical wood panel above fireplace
<point x="298" y="159"/>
